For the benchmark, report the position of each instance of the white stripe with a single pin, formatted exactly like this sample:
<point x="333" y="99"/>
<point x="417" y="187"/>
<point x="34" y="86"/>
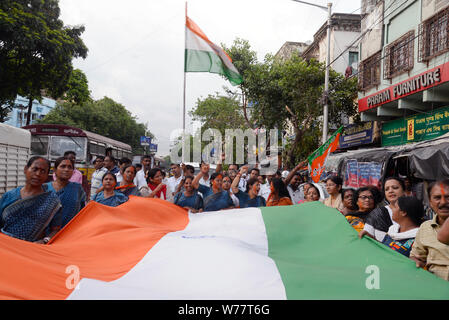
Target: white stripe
<point x="221" y="255"/>
<point x="194" y="42"/>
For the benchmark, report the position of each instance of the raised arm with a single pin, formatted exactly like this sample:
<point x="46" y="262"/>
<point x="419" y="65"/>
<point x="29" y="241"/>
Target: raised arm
<point x="293" y="172"/>
<point x="235" y="183"/>
<point x="203" y="171"/>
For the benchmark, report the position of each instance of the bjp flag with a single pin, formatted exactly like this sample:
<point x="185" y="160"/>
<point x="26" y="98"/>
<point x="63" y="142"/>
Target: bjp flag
<point x="317" y="159"/>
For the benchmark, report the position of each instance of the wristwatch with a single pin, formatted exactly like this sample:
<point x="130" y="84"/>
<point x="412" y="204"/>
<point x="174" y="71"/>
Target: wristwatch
<point x="46" y="240"/>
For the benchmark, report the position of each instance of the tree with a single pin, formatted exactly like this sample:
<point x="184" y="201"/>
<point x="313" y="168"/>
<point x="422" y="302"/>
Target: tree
<point x="244" y="59"/>
<point x="289" y="95"/>
<point x="36" y="50"/>
<point x="102" y="117"/>
<point x="77" y="89"/>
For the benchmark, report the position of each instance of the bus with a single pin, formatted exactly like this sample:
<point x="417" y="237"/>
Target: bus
<point x="14" y="155"/>
<point x="53" y="140"/>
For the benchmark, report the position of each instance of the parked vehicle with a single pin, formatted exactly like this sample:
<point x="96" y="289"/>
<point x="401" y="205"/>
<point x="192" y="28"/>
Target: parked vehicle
<point x="14" y="154"/>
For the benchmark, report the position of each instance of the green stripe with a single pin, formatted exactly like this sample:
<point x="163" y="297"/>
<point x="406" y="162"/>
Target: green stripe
<point x="320" y="256"/>
<point x="205" y="61"/>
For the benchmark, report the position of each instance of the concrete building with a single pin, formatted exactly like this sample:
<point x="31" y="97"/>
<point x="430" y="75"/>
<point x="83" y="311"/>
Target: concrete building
<point x="404" y="68"/>
<point x="345" y="30"/>
<point x="290" y="48"/>
<point x="18" y="115"/>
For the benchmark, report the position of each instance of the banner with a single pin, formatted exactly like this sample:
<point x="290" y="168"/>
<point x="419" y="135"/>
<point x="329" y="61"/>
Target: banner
<point x="318" y="159"/>
<point x="362" y="174"/>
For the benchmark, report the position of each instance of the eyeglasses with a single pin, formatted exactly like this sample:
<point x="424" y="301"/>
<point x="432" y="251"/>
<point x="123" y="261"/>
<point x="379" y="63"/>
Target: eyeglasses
<point x="366" y="198"/>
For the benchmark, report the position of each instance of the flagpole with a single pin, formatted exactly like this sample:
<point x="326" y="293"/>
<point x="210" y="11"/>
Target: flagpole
<point x="184" y="98"/>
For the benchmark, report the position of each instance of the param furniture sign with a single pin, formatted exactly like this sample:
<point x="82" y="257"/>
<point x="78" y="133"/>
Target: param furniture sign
<point x="421" y="82"/>
<point x="420" y="127"/>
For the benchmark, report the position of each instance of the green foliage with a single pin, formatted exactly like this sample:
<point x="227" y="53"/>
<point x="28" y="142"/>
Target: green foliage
<point x="77" y="88"/>
<point x="103" y="117"/>
<point x="219" y="112"/>
<point x="36" y="50"/>
<point x="272" y="85"/>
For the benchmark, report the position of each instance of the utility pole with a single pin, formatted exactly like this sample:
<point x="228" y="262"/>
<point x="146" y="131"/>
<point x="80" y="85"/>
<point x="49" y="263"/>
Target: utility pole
<point x="328" y="58"/>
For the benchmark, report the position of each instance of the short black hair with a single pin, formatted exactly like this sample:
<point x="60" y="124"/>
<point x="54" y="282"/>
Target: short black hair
<point x="433" y="184"/>
<point x="138" y="165"/>
<point x="35" y="158"/>
<point x="99" y="157"/>
<point x="60" y="159"/>
<point x="124" y="160"/>
<point x="355" y="199"/>
<point x="258" y="171"/>
<point x="66" y="154"/>
<point x="190" y="168"/>
<point x="335" y="179"/>
<point x="413" y="207"/>
<point x="109" y="173"/>
<point x="110" y="158"/>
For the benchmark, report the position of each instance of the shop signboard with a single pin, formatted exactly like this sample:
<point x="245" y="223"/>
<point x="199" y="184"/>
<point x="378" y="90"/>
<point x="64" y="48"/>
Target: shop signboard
<point x="357" y="134"/>
<point x="420" y="127"/>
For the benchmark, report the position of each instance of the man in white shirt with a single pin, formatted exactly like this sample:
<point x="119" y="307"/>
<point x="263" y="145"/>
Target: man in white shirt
<point x="176" y="179"/>
<point x="123" y="162"/>
<point x="140" y="181"/>
<point x="292" y="181"/>
<point x="254" y="173"/>
<point x="97" y="176"/>
<point x="265" y="188"/>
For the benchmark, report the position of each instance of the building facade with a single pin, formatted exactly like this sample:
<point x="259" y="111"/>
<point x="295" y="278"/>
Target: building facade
<point x="344" y="51"/>
<point x="404" y="68"/>
<point x="18" y="115"/>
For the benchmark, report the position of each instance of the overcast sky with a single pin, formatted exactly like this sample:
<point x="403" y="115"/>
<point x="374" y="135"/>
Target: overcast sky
<point x="136" y="47"/>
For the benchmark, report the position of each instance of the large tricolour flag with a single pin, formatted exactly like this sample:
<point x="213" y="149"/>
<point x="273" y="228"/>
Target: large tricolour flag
<point x="151" y="249"/>
<point x="201" y="55"/>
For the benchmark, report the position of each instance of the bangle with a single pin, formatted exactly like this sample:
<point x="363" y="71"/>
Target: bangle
<point x="46" y="240"/>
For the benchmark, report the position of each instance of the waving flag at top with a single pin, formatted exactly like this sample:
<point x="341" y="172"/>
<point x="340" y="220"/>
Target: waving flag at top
<point x="201" y="55"/>
<point x="317" y="160"/>
<point x="152" y="249"/>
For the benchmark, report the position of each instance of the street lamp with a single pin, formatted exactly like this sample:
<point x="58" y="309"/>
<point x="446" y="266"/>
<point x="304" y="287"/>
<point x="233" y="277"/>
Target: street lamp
<point x="328" y="59"/>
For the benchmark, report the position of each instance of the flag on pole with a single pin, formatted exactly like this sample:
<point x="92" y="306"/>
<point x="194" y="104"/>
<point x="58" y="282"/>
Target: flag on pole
<point x="152" y="249"/>
<point x="201" y="55"/>
<point x="317" y="160"/>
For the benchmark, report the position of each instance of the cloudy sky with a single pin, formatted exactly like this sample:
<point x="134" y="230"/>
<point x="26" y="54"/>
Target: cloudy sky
<point x="136" y="47"/>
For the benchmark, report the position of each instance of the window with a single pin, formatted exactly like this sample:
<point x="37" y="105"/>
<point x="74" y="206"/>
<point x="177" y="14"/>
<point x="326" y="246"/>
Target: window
<point x="434" y="36"/>
<point x="370" y="72"/>
<point x="39" y="146"/>
<point x="60" y="144"/>
<point x="399" y="55"/>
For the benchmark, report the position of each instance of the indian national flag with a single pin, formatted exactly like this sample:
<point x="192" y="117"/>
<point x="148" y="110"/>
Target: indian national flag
<point x="202" y="55"/>
<point x="151" y="249"/>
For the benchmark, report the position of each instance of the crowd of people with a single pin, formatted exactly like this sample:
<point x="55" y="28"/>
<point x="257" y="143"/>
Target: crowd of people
<point x="39" y="209"/>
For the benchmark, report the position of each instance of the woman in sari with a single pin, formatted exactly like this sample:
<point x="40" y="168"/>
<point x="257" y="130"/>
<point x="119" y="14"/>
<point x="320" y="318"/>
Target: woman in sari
<point x="251" y="197"/>
<point x="71" y="194"/>
<point x="381" y="219"/>
<point x="127" y="186"/>
<point x="189" y="199"/>
<point x="279" y="195"/>
<point x="109" y="196"/>
<point x="214" y="197"/>
<point x="334" y="185"/>
<point x="226" y="185"/>
<point x="364" y="202"/>
<point x="26" y="212"/>
<point x="157" y="188"/>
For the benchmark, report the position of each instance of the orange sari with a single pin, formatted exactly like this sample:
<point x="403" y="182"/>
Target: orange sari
<point x="277" y="203"/>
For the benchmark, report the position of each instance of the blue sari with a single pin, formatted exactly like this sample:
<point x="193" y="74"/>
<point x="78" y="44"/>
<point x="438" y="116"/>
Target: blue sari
<point x="218" y="201"/>
<point x="131" y="191"/>
<point x="117" y="199"/>
<point x="73" y="199"/>
<point x="27" y="218"/>
<point x="195" y="201"/>
<point x="246" y="202"/>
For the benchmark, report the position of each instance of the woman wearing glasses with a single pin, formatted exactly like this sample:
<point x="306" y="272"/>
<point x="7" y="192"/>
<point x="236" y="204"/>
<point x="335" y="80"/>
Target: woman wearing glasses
<point x="381" y="219"/>
<point x="364" y="202"/>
